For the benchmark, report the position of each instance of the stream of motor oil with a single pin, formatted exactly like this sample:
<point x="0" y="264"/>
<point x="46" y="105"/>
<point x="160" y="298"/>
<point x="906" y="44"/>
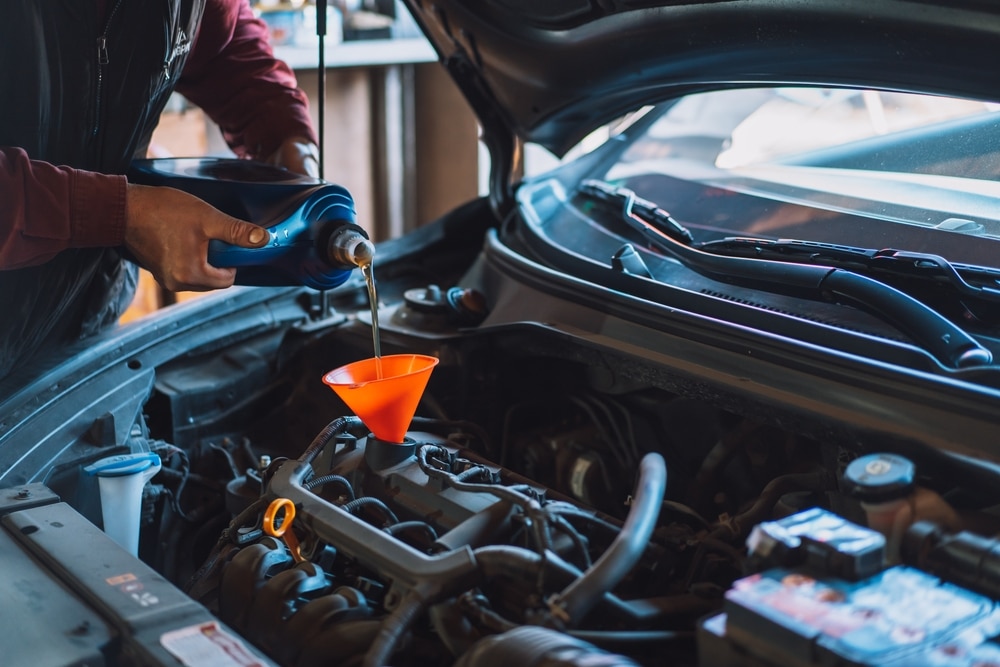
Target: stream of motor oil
<point x="368" y="271"/>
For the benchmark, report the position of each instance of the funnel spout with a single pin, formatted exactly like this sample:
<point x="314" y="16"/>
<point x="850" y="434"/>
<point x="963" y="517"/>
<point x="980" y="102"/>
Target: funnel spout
<point x="383" y="391"/>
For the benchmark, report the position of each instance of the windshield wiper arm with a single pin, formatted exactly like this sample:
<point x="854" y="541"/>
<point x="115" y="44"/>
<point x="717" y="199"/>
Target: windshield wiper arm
<point x="944" y="340"/>
<point x="888" y="261"/>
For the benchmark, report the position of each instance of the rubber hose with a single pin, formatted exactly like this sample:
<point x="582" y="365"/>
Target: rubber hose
<point x="529" y="646"/>
<point x="413" y="526"/>
<point x="627" y="548"/>
<point x="370" y="501"/>
<point x="520" y="564"/>
<point x="342" y="481"/>
<point x="323" y="438"/>
<point x="393" y="628"/>
<point x="739" y="527"/>
<point x="453" y="627"/>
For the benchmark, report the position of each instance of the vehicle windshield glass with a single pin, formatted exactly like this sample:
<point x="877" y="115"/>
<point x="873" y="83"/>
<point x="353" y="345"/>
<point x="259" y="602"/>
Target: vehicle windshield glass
<point x="856" y="167"/>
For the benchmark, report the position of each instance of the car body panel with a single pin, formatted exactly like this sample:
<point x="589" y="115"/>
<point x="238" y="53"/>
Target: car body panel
<point x="553" y="74"/>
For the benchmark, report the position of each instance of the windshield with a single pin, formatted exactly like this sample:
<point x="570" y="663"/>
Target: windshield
<point x="856" y="167"/>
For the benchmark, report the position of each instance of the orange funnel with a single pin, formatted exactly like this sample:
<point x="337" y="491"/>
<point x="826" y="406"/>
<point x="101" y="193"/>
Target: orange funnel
<point x="383" y="391"/>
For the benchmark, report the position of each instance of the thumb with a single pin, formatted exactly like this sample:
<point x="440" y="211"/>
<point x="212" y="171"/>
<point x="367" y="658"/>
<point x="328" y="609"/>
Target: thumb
<point x="240" y="233"/>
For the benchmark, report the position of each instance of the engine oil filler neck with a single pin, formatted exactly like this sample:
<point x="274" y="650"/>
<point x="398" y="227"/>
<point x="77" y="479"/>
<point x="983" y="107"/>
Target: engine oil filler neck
<point x="381" y="455"/>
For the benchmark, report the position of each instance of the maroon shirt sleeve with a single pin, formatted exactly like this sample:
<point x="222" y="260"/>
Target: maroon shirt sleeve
<point x="47" y="209"/>
<point x="231" y="73"/>
<point x="233" y="76"/>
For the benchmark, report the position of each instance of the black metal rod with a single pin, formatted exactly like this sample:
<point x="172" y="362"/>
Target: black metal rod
<point x="321" y="109"/>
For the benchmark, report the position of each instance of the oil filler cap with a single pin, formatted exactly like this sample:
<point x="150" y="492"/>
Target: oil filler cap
<point x="878" y="478"/>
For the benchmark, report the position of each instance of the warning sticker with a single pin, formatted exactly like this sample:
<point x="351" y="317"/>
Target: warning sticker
<point x="208" y="645"/>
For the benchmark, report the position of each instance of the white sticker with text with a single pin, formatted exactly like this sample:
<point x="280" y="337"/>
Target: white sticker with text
<point x="208" y="645"/>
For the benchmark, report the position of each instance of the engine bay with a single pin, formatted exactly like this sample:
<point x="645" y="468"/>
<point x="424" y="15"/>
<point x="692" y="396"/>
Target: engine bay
<point x="532" y="484"/>
<point x="573" y="489"/>
<point x="548" y="499"/>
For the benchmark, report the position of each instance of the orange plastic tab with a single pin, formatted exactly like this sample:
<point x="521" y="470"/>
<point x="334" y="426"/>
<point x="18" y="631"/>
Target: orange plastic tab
<point x="284" y="529"/>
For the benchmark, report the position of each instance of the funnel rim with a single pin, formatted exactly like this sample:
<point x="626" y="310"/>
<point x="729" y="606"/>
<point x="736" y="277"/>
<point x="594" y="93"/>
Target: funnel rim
<point x="431" y="362"/>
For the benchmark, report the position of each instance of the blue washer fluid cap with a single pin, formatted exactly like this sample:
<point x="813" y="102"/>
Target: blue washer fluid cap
<point x="877" y="478"/>
<point x="123" y="464"/>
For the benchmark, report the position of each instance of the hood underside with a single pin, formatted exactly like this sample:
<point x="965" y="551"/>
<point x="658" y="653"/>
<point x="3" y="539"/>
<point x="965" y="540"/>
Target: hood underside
<point x="552" y="71"/>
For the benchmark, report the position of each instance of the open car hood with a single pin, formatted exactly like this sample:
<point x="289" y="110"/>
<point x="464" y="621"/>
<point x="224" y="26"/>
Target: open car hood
<point x="550" y="72"/>
<point x="632" y="450"/>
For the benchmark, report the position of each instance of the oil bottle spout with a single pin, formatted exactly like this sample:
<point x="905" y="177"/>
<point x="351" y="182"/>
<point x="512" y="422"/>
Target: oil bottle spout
<point x="349" y="246"/>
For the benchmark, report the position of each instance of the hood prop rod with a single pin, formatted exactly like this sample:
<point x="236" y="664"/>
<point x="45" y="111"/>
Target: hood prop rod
<point x="321" y="83"/>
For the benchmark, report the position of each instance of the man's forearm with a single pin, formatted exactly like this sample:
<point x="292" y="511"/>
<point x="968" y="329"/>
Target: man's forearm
<point x="232" y="74"/>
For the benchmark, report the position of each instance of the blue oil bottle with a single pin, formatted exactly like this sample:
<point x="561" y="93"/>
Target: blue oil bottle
<point x="314" y="236"/>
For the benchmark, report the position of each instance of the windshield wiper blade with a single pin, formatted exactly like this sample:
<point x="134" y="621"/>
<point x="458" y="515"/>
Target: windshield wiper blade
<point x="888" y="261"/>
<point x="944" y="340"/>
<point x="633" y="207"/>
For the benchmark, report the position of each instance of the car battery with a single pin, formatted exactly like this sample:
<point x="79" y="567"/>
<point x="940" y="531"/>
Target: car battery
<point x="804" y="615"/>
<point x="73" y="596"/>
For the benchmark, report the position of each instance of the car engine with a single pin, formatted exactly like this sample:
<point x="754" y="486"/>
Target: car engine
<point x="559" y="497"/>
<point x="549" y="503"/>
<point x="539" y="517"/>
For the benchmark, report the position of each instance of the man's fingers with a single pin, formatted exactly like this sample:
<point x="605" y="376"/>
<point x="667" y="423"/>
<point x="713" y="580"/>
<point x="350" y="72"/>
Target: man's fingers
<point x="298" y="155"/>
<point x="257" y="236"/>
<point x="169" y="231"/>
<point x="212" y="277"/>
<point x="238" y="232"/>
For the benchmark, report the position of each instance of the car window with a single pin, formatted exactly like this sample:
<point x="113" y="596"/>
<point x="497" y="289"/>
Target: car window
<point x="737" y="128"/>
<point x="791" y="158"/>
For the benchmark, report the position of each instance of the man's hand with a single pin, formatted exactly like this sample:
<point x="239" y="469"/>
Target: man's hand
<point x="167" y="231"/>
<point x="300" y="156"/>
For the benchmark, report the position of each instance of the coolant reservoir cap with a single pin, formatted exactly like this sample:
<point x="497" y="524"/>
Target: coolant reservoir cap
<point x="123" y="464"/>
<point x="876" y="478"/>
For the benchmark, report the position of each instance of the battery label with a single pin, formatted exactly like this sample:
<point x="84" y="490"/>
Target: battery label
<point x="208" y="645"/>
